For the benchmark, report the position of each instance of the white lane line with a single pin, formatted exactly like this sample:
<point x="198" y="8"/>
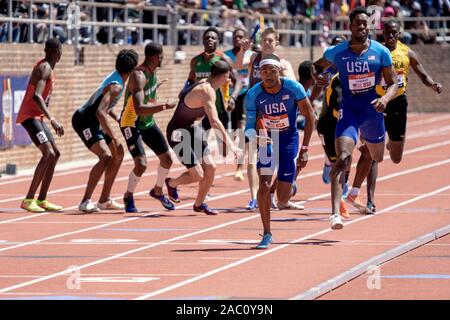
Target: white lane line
<point x="119" y="221"/>
<point x="80" y="186"/>
<point x="238" y="192"/>
<point x="314" y="157"/>
<point x="62" y="170"/>
<point x="352" y="273"/>
<point x="93" y="263"/>
<point x="266" y="252"/>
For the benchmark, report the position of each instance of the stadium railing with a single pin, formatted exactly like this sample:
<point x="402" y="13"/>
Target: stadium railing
<point x="179" y="23"/>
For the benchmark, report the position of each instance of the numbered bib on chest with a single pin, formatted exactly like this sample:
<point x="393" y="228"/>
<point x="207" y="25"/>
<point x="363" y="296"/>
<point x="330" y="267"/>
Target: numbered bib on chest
<point x="358" y="83"/>
<point x="276" y="122"/>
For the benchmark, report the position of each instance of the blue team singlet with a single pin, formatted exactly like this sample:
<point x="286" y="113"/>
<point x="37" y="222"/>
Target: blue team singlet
<point x="359" y="75"/>
<point x="89" y="108"/>
<point x="278" y="114"/>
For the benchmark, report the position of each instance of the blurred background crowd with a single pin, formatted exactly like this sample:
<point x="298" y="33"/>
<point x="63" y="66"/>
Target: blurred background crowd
<point x="322" y="14"/>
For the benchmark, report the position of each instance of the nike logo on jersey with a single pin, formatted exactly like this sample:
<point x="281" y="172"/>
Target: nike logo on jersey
<point x="262" y="101"/>
<point x="287" y="174"/>
<point x="345" y="58"/>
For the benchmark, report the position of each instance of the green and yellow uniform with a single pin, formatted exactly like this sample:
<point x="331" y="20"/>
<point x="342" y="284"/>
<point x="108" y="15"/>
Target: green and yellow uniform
<point x="129" y="117"/>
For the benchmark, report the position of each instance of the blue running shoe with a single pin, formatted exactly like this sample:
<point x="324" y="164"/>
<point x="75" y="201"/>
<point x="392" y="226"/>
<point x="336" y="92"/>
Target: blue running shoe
<point x="345" y="190"/>
<point x="172" y="192"/>
<point x="266" y="240"/>
<point x="129" y="205"/>
<point x="204" y="208"/>
<point x="252" y="205"/>
<point x="294" y="189"/>
<point x="163" y="199"/>
<point x="326" y="173"/>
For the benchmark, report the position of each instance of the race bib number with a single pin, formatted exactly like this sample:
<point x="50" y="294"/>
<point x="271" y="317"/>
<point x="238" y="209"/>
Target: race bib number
<point x="128" y="133"/>
<point x="87" y="133"/>
<point x="361" y="82"/>
<point x="42" y="137"/>
<point x="276" y="122"/>
<point x="399" y="80"/>
<point x="176" y="136"/>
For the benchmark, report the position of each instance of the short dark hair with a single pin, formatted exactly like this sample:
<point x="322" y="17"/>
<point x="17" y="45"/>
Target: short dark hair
<point x="153" y="49"/>
<point x="356" y="11"/>
<point x="240" y="29"/>
<point x="52" y="44"/>
<point x="219" y="67"/>
<point x="211" y="29"/>
<point x="126" y="61"/>
<point x="391" y="23"/>
<point x="304" y="70"/>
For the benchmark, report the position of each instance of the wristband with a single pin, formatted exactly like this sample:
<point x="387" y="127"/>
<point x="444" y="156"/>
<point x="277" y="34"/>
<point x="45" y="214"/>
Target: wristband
<point x="304" y="148"/>
<point x="52" y="119"/>
<point x="164" y="106"/>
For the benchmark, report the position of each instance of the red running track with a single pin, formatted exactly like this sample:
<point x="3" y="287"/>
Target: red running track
<point x="187" y="255"/>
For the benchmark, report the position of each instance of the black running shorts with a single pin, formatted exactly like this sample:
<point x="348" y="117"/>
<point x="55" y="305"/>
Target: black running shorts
<point x="152" y="137"/>
<point x="188" y="144"/>
<point x="38" y="131"/>
<point x="395" y="118"/>
<point x="326" y="127"/>
<point x="89" y="130"/>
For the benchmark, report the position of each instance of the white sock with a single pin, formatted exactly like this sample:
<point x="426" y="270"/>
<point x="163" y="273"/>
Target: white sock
<point x="161" y="176"/>
<point x="354" y="191"/>
<point x="133" y="181"/>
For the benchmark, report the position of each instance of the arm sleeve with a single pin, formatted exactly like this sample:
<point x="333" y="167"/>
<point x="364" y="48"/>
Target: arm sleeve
<point x="251" y="115"/>
<point x="330" y="53"/>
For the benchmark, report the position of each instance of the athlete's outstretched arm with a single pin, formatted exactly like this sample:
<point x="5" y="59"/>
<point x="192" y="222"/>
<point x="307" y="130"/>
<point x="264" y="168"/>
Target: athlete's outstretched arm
<point x="234" y="75"/>
<point x="237" y="84"/>
<point x="423" y="75"/>
<point x="39" y="76"/>
<point x="213" y="117"/>
<point x="306" y="110"/>
<point x="315" y="93"/>
<point x="109" y="95"/>
<point x="136" y="85"/>
<point x="192" y="76"/>
<point x="317" y="68"/>
<point x="391" y="81"/>
<point x="246" y="44"/>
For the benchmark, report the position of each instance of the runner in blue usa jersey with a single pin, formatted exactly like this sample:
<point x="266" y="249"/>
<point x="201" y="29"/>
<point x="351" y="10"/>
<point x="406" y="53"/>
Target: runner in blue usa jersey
<point x="361" y="63"/>
<point x="273" y="105"/>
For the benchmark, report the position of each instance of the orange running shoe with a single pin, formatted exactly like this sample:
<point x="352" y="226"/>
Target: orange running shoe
<point x="355" y="201"/>
<point x="343" y="210"/>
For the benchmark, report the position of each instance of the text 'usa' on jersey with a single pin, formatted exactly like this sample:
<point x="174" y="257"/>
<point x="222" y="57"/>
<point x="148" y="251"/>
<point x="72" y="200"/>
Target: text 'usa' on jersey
<point x="359" y="74"/>
<point x="277" y="111"/>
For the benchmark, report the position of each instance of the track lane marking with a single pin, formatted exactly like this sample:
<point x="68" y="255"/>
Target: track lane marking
<point x="78" y="268"/>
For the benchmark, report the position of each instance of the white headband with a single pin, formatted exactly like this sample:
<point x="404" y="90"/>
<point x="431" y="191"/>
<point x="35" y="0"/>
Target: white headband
<point x="269" y="61"/>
